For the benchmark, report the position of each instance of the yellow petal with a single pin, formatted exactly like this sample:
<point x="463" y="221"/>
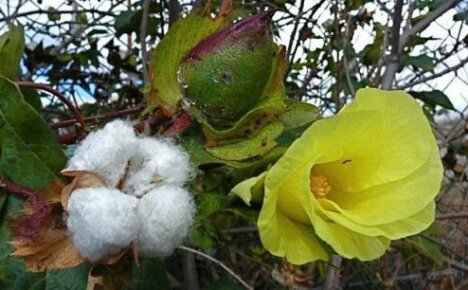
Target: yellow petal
<point x="392" y="201"/>
<point x="285" y="238"/>
<point x="250" y="189"/>
<point x="396" y="230"/>
<point x="388" y="147"/>
<point x="297" y="202"/>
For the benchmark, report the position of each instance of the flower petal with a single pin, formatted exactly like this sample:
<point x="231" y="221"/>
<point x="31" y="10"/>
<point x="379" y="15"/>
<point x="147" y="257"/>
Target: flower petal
<point x="250" y="189"/>
<point x="285" y="238"/>
<point x="297" y="202"/>
<point x="389" y="147"/>
<point x="396" y="230"/>
<point x="392" y="201"/>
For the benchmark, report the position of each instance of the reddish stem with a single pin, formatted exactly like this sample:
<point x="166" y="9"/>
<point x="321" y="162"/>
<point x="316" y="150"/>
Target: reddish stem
<point x="59" y="95"/>
<point x="180" y="125"/>
<point x="97" y="118"/>
<point x="12" y="187"/>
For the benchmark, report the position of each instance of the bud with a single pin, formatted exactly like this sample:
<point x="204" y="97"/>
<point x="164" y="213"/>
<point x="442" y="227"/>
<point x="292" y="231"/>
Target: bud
<point x="225" y="75"/>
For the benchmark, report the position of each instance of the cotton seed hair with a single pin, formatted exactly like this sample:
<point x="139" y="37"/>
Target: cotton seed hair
<point x="153" y="210"/>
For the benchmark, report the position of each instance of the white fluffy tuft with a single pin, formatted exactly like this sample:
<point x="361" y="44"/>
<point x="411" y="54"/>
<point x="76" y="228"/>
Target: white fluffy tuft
<point x="158" y="162"/>
<point x="106" y="152"/>
<point x="166" y="215"/>
<point x="101" y="221"/>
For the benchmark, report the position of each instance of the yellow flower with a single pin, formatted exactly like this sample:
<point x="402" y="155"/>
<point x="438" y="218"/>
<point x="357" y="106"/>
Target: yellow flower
<point x="356" y="181"/>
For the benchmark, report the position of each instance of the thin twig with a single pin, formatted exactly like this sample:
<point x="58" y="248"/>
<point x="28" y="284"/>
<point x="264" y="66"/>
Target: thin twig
<point x="190" y="272"/>
<point x="452" y="215"/>
<point x="332" y="281"/>
<point x="143" y="30"/>
<point x="219" y="263"/>
<point x="96" y="119"/>
<point x="79" y="119"/>
<point x="28" y="13"/>
<point x="436" y="75"/>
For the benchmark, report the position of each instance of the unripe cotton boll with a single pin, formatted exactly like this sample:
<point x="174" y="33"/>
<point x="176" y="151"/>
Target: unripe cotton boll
<point x="166" y="215"/>
<point x="106" y="152"/>
<point x="157" y="162"/>
<point x="101" y="221"/>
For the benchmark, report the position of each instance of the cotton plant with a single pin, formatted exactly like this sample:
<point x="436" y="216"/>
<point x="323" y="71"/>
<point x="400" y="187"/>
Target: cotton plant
<point x="141" y="201"/>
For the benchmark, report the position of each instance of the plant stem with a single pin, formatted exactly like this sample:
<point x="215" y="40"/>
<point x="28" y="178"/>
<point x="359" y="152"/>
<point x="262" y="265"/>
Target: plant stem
<point x="79" y="119"/>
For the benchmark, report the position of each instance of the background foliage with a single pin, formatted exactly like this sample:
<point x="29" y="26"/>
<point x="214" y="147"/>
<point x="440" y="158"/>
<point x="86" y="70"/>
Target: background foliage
<point x="95" y="52"/>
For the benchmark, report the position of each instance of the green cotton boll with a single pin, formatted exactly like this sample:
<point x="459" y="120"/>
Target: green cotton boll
<point x="224" y="76"/>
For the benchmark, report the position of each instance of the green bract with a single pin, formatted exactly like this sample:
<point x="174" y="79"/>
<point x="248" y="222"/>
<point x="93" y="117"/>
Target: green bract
<point x="229" y="78"/>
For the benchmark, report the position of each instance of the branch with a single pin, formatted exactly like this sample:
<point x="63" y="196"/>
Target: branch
<point x="219" y="263"/>
<point x="436" y="75"/>
<point x="394" y="58"/>
<point x="426" y="21"/>
<point x="65" y="100"/>
<point x="190" y="271"/>
<point x="28" y="13"/>
<point x="96" y="119"/>
<point x="332" y="281"/>
<point x="143" y="28"/>
<point x="12" y="187"/>
<point x="452" y="215"/>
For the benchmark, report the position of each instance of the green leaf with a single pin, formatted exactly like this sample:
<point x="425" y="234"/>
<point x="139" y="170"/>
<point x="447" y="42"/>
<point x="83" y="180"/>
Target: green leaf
<point x="53" y="14"/>
<point x="11" y="50"/>
<point x="150" y="274"/>
<point x="30" y="155"/>
<point x="207" y="204"/>
<point x="427" y="248"/>
<point x="461" y="16"/>
<point x="434" y="98"/>
<point x="68" y="279"/>
<point x="199" y="156"/>
<point x="128" y="21"/>
<point x="13" y="274"/>
<point x="257" y="145"/>
<point x="423" y="62"/>
<point x="181" y="38"/>
<point x="299" y="114"/>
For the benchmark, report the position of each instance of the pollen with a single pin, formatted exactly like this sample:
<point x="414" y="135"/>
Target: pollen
<point x="319" y="186"/>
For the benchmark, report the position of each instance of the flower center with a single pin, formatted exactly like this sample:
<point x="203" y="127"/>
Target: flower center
<point x="319" y="186"/>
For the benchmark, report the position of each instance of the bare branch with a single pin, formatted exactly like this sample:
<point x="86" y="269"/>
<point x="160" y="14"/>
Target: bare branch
<point x="393" y="60"/>
<point x="332" y="281"/>
<point x="143" y="28"/>
<point x="424" y="23"/>
<point x="28" y="13"/>
<point x="219" y="263"/>
<point x="454" y="68"/>
<point x="65" y="100"/>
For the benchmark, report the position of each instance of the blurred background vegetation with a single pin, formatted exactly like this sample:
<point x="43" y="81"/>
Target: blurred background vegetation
<point x="96" y="53"/>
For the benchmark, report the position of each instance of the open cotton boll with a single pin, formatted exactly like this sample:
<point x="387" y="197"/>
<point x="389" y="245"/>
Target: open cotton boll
<point x="106" y="152"/>
<point x="166" y="215"/>
<point x="101" y="221"/>
<point x="157" y="162"/>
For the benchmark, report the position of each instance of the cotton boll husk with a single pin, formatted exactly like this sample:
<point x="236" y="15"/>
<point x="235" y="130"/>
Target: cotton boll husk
<point x="101" y="221"/>
<point x="158" y="162"/>
<point x="166" y="215"/>
<point x="106" y="152"/>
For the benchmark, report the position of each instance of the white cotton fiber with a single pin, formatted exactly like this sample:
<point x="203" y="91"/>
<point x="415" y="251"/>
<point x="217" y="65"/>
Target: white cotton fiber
<point x="102" y="221"/>
<point x="157" y="162"/>
<point x="166" y="215"/>
<point x="106" y="152"/>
